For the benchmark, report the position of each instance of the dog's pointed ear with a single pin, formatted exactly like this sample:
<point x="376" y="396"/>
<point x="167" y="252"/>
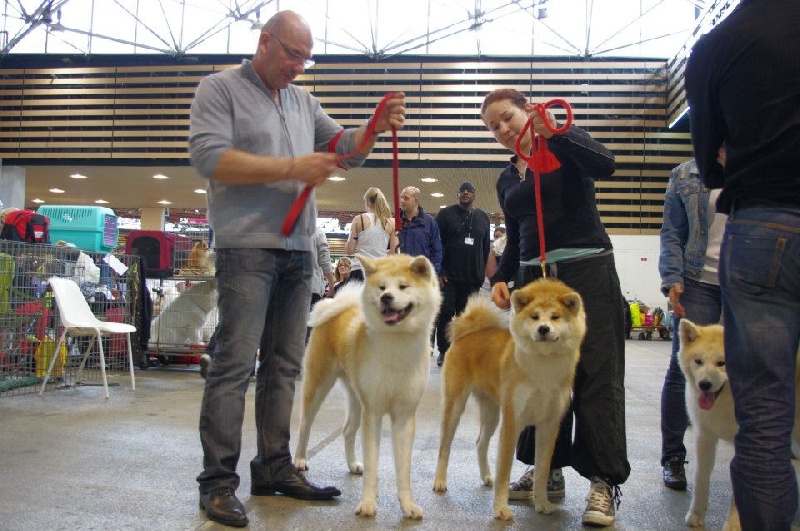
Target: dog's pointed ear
<point x="519" y="300"/>
<point x="688" y="331"/>
<point x="420" y="265"/>
<point x="572" y="302"/>
<point x="367" y="263"/>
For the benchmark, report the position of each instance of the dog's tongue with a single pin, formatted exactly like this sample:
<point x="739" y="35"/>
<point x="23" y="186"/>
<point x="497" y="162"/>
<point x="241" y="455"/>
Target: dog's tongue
<point x="706" y="400"/>
<point x="391" y="316"/>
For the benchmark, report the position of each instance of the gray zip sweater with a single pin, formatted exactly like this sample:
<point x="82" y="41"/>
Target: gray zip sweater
<point x="233" y="109"/>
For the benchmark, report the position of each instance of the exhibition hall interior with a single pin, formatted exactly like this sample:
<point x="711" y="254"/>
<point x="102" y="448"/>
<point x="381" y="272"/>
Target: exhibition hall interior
<point x="95" y="101"/>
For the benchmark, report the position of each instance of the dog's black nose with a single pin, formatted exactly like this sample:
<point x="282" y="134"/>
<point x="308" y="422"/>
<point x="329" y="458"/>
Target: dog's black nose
<point x="387" y="298"/>
<point x="543" y="330"/>
<point x="705" y="385"/>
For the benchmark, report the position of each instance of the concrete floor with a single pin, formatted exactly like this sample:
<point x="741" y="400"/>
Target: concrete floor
<point x="72" y="460"/>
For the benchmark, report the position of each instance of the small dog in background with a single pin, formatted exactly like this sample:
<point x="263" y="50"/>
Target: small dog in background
<point x="200" y="260"/>
<point x="181" y="322"/>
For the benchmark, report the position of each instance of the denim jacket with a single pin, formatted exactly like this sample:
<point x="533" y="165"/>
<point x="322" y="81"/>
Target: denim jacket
<point x="684" y="234"/>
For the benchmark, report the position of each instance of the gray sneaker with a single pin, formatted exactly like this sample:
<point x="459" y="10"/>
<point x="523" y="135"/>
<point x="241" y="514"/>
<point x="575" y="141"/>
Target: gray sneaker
<point x="522" y="489"/>
<point x="600" y="507"/>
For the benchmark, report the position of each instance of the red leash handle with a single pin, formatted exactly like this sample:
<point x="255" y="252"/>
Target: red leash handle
<point x="299" y="204"/>
<point x="541" y="159"/>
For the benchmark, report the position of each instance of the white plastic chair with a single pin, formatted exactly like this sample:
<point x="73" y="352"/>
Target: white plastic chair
<point x="78" y="319"/>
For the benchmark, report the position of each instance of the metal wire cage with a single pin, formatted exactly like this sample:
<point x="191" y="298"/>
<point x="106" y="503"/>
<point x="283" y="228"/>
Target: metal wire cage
<point x="29" y="322"/>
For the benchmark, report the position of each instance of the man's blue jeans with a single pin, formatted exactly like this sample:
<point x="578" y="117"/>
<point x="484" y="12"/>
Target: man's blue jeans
<point x="760" y="280"/>
<point x="264" y="296"/>
<point x="703" y="306"/>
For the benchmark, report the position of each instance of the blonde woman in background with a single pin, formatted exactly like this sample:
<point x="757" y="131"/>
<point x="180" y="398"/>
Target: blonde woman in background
<point x="371" y="233"/>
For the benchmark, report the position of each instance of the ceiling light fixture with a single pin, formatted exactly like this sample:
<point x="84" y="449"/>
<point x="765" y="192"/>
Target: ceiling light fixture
<point x="101" y="201"/>
<point x="428" y="180"/>
<point x="37" y="201"/>
<point x="200" y="191"/>
<point x="164" y="202"/>
<point x="78" y="176"/>
<point x="336" y="178"/>
<point x="437" y="194"/>
<point x="160" y="176"/>
<point x="56" y="190"/>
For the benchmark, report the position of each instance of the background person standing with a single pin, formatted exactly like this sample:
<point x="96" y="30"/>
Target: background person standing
<point x="688" y="262"/>
<point x="464" y="231"/>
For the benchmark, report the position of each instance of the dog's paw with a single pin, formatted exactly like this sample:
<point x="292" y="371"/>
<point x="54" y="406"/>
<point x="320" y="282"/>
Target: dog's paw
<point x="503" y="512"/>
<point x="543" y="506"/>
<point x="488" y="480"/>
<point x="694" y="520"/>
<point x="412" y="511"/>
<point x="732" y="526"/>
<point x="367" y="508"/>
<point x="356" y="468"/>
<point x="439" y="485"/>
<point x="301" y="464"/>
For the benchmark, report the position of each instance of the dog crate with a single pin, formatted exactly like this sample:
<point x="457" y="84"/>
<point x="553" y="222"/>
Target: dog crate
<point x="163" y="252"/>
<point x="90" y="228"/>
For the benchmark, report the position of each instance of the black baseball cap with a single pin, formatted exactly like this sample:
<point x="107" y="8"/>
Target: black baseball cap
<point x="466" y="186"/>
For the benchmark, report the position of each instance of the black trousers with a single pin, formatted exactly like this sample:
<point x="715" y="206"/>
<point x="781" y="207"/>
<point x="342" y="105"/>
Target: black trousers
<point x="598" y="446"/>
<point x="454" y="300"/>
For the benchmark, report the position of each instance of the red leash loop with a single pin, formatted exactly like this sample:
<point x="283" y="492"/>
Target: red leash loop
<point x="542" y="160"/>
<point x="299" y="204"/>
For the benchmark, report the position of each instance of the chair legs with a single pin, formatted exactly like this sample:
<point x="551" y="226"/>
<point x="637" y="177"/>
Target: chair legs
<point x="98" y="338"/>
<point x="130" y="362"/>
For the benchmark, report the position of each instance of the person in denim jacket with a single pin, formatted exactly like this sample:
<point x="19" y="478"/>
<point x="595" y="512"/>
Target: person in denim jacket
<point x="690" y="243"/>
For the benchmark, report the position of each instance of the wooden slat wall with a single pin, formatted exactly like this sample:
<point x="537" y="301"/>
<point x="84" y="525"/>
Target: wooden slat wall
<point x="135" y="114"/>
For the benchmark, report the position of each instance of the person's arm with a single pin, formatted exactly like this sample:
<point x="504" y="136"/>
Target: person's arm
<point x="576" y="145"/>
<point x="706" y="119"/>
<point x="352" y="239"/>
<point x="491" y="264"/>
<point x="673" y="236"/>
<point x="436" y="245"/>
<point x="392" y="116"/>
<point x="394" y="241"/>
<point x="211" y="146"/>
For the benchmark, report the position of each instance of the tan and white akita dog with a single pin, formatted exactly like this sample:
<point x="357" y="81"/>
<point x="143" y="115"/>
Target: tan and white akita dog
<point x="522" y="364"/>
<point x="376" y="340"/>
<point x="710" y="405"/>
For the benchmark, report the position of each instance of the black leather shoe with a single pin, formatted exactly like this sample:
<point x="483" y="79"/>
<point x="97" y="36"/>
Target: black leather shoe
<point x="675" y="473"/>
<point x="295" y="486"/>
<point x="222" y="505"/>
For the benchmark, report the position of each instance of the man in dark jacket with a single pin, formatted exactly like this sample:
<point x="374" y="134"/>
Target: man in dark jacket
<point x="464" y="230"/>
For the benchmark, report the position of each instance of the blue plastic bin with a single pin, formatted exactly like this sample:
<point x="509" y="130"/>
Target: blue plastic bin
<point x="90" y="228"/>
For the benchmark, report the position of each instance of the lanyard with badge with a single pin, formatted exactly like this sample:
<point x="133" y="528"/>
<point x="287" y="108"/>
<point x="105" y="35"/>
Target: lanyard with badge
<point x="468" y="239"/>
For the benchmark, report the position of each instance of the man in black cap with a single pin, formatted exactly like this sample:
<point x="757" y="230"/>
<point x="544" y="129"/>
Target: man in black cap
<point x="464" y="230"/>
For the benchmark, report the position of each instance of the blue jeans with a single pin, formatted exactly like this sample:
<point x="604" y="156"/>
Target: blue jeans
<point x="264" y="295"/>
<point x="703" y="306"/>
<point x="760" y="280"/>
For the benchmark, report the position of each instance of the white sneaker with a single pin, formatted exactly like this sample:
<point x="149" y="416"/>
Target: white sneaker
<point x="600" y="509"/>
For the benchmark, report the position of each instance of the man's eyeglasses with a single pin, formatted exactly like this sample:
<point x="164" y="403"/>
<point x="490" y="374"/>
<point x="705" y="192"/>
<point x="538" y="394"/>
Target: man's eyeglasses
<point x="293" y="56"/>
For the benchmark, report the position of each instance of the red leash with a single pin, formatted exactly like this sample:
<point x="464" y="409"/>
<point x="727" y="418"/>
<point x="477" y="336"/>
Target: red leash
<point x="542" y="160"/>
<point x="299" y="204"/>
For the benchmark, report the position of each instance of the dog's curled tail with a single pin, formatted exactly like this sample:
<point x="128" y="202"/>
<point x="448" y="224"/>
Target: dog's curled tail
<point x="326" y="309"/>
<point x="479" y="314"/>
